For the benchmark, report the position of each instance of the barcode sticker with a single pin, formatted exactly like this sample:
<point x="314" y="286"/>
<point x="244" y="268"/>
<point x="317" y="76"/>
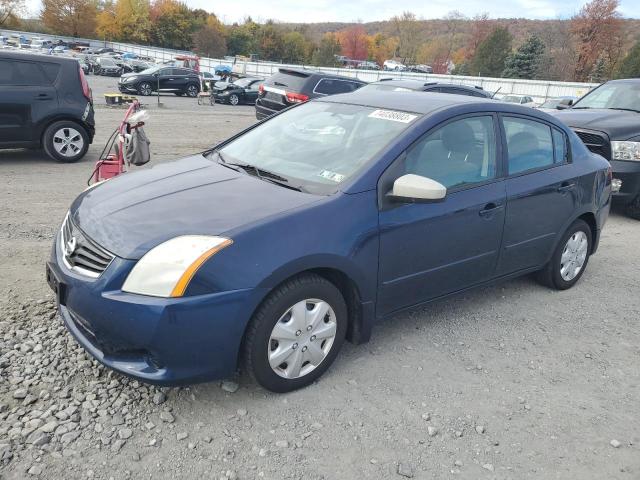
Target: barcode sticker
<point x="393" y="116"/>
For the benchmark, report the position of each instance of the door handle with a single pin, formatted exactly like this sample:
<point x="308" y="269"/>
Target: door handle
<point x="566" y="187"/>
<point x="490" y="208"/>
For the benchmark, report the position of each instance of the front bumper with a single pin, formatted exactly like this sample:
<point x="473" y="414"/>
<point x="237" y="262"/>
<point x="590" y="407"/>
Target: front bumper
<point x="629" y="174"/>
<point x="127" y="88"/>
<point x="164" y="341"/>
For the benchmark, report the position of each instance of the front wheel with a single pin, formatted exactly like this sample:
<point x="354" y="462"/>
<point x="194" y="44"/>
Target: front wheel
<point x="295" y="335"/>
<point x="234" y="99"/>
<point x="145" y="89"/>
<point x="570" y="259"/>
<point x="633" y="209"/>
<point x="65" y="141"/>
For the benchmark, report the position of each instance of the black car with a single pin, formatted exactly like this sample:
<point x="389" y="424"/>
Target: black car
<point x="134" y="66"/>
<point x="107" y="66"/>
<point x="607" y="119"/>
<point x="432" y="87"/>
<point x="290" y="86"/>
<point x="163" y="78"/>
<point x="45" y="102"/>
<point x="244" y="90"/>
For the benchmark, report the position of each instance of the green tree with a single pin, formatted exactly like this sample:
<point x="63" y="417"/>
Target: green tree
<point x="295" y="47"/>
<point x="210" y="40"/>
<point x="526" y="60"/>
<point x="325" y="54"/>
<point x="599" y="71"/>
<point x="173" y="23"/>
<point x="630" y="66"/>
<point x="492" y="53"/>
<point x="271" y="42"/>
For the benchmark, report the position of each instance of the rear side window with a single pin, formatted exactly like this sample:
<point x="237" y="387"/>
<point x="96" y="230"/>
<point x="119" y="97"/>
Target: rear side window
<point x="22" y="74"/>
<point x="529" y="144"/>
<point x="560" y="147"/>
<point x="332" y="86"/>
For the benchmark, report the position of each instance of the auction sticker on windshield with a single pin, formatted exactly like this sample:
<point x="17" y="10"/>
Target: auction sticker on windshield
<point x="333" y="176"/>
<point x="393" y="116"/>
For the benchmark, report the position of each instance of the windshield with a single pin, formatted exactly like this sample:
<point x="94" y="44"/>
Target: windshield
<point x="553" y="103"/>
<point x="318" y="145"/>
<point x="613" y="95"/>
<point x="243" y="82"/>
<point x="107" y="61"/>
<point x="511" y="99"/>
<point x="153" y="69"/>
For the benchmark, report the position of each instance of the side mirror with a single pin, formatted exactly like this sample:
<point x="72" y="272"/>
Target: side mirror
<point x="415" y="188"/>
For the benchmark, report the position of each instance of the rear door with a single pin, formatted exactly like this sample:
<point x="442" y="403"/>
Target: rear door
<point x="251" y="92"/>
<point x="27" y="95"/>
<point x="542" y="192"/>
<point x="166" y="79"/>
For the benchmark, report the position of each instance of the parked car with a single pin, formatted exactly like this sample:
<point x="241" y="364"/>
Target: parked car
<point x="180" y="81"/>
<point x="338" y="212"/>
<point x="45" y="102"/>
<point x="244" y="90"/>
<point x="368" y="66"/>
<point x="607" y="119"/>
<point x="558" y="103"/>
<point x="107" y="66"/>
<point x="524" y="100"/>
<point x="393" y="65"/>
<point x="290" y="86"/>
<point x="421" y="69"/>
<point x="135" y="66"/>
<point x="387" y="84"/>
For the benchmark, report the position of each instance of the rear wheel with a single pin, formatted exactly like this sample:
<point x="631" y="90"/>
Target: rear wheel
<point x="295" y="335"/>
<point x="145" y="89"/>
<point x="65" y="141"/>
<point x="570" y="259"/>
<point x="192" y="90"/>
<point x="633" y="208"/>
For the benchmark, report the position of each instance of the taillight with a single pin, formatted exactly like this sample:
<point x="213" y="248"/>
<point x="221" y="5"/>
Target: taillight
<point x="86" y="91"/>
<point x="296" y="97"/>
<point x="261" y="89"/>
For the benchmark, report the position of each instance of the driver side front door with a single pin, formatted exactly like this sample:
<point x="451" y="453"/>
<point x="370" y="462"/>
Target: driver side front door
<point x="428" y="250"/>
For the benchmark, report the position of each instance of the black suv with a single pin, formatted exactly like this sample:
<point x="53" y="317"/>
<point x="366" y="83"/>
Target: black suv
<point x="166" y="78"/>
<point x="290" y="86"/>
<point x="433" y="87"/>
<point x="45" y="102"/>
<point x="607" y="119"/>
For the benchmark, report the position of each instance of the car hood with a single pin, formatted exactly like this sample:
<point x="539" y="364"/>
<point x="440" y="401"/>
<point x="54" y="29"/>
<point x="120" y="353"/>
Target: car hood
<point x="618" y="124"/>
<point x="134" y="212"/>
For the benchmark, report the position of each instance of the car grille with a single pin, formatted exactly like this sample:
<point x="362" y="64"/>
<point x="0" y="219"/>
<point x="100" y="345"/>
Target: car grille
<point x="596" y="142"/>
<point x="80" y="253"/>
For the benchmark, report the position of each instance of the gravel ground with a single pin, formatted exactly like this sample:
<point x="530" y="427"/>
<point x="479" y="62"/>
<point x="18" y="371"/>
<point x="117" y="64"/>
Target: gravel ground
<point x="512" y="381"/>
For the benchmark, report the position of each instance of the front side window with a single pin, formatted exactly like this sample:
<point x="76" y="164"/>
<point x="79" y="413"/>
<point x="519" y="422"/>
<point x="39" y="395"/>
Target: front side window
<point x="461" y="152"/>
<point x="529" y="144"/>
<point x="318" y="145"/>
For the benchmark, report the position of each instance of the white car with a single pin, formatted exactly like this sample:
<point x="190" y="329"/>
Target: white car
<point x="524" y="100"/>
<point x="393" y="65"/>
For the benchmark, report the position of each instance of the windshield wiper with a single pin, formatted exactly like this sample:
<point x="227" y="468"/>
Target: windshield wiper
<point x="624" y="109"/>
<point x="262" y="174"/>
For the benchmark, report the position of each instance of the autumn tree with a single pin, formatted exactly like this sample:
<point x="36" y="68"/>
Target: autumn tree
<point x="209" y="41"/>
<point x="243" y="39"/>
<point x="10" y="11"/>
<point x="481" y="28"/>
<point x="294" y="47"/>
<point x="75" y="18"/>
<point x="354" y="42"/>
<point x="525" y="62"/>
<point x="630" y="65"/>
<point x="407" y="29"/>
<point x="173" y="24"/>
<point x="492" y="53"/>
<point x="597" y="32"/>
<point x="325" y="54"/>
<point x="270" y="41"/>
<point x="381" y="47"/>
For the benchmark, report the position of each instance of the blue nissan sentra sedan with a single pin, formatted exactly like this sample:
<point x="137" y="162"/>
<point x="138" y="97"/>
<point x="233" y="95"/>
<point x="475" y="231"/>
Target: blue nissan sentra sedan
<point x="271" y="249"/>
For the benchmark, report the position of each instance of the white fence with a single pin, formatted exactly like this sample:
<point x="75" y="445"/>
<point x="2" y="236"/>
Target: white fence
<point x="540" y="90"/>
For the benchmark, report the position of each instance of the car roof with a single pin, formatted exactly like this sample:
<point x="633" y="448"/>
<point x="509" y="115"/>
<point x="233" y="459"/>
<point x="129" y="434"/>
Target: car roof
<point x="625" y="80"/>
<point x="35" y="56"/>
<point x="413" y="101"/>
<point x="421" y="85"/>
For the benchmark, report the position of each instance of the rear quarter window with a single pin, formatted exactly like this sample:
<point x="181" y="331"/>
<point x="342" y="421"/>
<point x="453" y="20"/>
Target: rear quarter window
<point x="332" y="86"/>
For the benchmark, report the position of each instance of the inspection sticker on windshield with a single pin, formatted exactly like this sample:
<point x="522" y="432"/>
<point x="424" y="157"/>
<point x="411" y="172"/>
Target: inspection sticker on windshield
<point x="393" y="116"/>
<point x="333" y="176"/>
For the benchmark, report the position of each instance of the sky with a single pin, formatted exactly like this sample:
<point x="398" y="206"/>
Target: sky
<point x="372" y="10"/>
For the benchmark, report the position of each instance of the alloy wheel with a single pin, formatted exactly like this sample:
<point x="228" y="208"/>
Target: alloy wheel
<point x="192" y="91"/>
<point x="302" y="338"/>
<point x="68" y="142"/>
<point x="574" y="255"/>
<point x="145" y="89"/>
<point x="234" y="100"/>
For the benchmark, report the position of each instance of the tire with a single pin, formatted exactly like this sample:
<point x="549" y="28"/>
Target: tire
<point x="65" y="132"/>
<point x="192" y="90"/>
<point x="552" y="275"/>
<point x="145" y="89"/>
<point x="259" y="343"/>
<point x="633" y="209"/>
<point x="234" y="99"/>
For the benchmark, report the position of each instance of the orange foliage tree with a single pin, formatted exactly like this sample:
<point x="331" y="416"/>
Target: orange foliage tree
<point x="354" y="42"/>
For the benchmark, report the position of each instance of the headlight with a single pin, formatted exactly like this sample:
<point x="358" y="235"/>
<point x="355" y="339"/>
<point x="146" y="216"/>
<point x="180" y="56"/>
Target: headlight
<point x="166" y="270"/>
<point x="130" y="79"/>
<point x="626" y="151"/>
